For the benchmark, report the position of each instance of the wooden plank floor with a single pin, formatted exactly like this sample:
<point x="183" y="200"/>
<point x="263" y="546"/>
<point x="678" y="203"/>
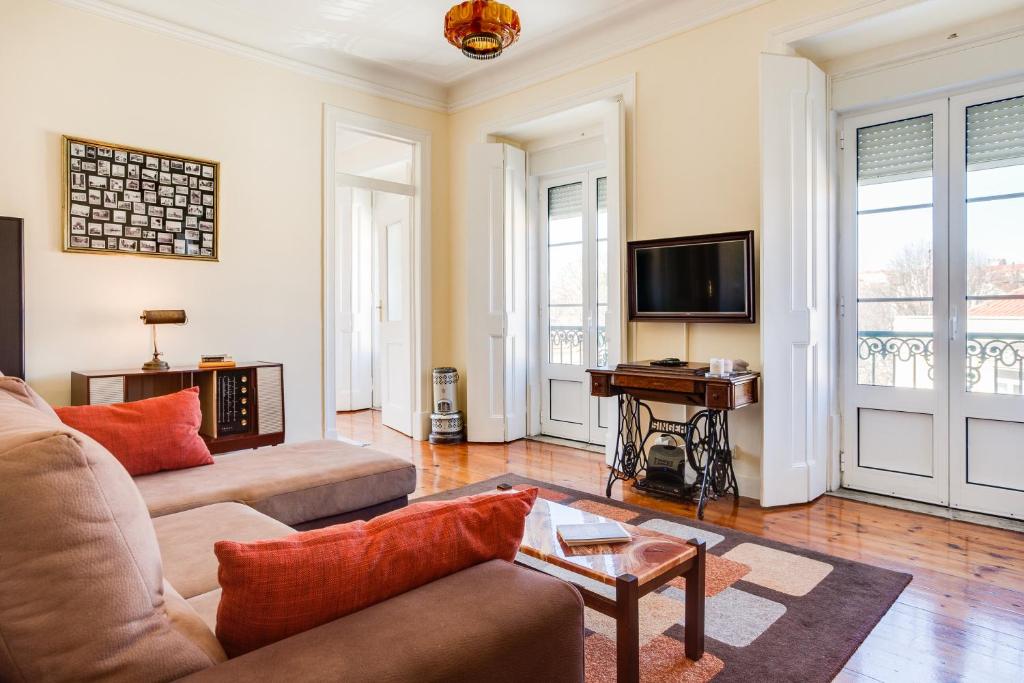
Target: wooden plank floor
<point x="960" y="619"/>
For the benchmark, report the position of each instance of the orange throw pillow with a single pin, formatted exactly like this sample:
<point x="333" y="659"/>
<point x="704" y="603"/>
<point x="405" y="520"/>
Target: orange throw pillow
<point x="275" y="589"/>
<point x="146" y="436"/>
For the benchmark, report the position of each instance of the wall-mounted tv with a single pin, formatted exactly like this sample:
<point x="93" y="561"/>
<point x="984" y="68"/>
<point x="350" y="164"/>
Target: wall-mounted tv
<point x="697" y="279"/>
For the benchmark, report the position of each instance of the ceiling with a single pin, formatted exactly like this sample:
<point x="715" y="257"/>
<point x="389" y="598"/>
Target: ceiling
<point x="902" y="24"/>
<point x="399" y="45"/>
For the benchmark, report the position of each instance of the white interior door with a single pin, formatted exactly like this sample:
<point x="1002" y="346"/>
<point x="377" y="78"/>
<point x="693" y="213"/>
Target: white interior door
<point x="364" y="318"/>
<point x="496" y="301"/>
<point x="894" y="340"/>
<point x="987" y="301"/>
<point x="516" y="336"/>
<point x="794" y="269"/>
<point x="354" y="315"/>
<point x="574" y="302"/>
<point x="392" y="216"/>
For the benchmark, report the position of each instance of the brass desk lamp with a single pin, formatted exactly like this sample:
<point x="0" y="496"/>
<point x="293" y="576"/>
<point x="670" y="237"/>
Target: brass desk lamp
<point x="160" y="317"/>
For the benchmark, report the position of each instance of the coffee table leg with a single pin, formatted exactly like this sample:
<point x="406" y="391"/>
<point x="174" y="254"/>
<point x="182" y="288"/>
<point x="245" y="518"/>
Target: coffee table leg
<point x="627" y="629"/>
<point x="694" y="629"/>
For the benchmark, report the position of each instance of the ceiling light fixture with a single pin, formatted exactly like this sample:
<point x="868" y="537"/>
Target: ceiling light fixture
<point x="482" y="29"/>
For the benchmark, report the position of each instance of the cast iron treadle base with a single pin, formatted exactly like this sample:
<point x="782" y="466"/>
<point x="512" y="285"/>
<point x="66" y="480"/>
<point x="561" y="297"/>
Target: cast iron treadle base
<point x="708" y="452"/>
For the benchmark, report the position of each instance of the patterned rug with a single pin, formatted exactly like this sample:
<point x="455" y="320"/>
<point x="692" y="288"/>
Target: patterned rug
<point x="773" y="612"/>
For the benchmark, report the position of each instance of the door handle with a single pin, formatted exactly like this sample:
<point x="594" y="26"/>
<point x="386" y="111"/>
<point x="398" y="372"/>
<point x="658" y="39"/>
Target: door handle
<point x="380" y="311"/>
<point x="954" y="325"/>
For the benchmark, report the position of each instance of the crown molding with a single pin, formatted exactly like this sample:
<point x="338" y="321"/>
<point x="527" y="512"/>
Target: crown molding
<point x="637" y="31"/>
<point x="381" y="82"/>
<point x="640" y="31"/>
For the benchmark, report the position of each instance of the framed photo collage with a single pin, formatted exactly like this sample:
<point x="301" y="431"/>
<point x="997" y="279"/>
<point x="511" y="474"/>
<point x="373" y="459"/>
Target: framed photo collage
<point x="125" y="200"/>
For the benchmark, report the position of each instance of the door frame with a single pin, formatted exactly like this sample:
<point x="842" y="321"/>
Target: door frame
<point x="623" y="90"/>
<point x="934" y="489"/>
<point x="419" y="310"/>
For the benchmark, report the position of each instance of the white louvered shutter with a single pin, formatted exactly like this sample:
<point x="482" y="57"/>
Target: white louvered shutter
<point x="899" y="150"/>
<point x="995" y="134"/>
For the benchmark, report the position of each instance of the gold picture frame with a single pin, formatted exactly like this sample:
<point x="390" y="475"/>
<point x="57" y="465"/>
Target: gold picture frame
<point x="120" y="199"/>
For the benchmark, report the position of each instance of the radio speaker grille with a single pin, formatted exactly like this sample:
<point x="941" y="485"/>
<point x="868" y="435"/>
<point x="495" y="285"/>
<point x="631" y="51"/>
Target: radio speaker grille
<point x="270" y="400"/>
<point x="103" y="390"/>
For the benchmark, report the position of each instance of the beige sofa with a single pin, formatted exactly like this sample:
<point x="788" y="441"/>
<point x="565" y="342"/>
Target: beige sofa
<point x="92" y="587"/>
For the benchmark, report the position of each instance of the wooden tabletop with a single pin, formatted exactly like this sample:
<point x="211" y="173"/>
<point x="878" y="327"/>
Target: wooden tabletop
<point x="648" y="555"/>
<point x="686" y="385"/>
<point x="174" y="369"/>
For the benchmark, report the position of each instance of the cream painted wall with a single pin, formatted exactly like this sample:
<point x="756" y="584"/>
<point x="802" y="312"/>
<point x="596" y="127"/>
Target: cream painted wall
<point x="68" y="71"/>
<point x="697" y="169"/>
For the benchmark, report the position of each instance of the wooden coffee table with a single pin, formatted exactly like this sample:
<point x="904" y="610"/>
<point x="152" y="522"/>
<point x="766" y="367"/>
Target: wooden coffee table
<point x="632" y="570"/>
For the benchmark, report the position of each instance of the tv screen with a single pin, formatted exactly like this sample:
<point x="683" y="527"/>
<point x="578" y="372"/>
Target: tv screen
<point x="704" y="278"/>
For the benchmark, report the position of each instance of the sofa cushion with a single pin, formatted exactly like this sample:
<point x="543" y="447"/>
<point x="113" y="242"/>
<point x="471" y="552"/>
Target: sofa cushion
<point x="152" y="435"/>
<point x="293" y="483"/>
<point x="186" y="541"/>
<point x="20" y="390"/>
<point x="186" y="619"/>
<point x="205" y="606"/>
<point x="494" y="622"/>
<point x="81" y="585"/>
<point x="277" y="588"/>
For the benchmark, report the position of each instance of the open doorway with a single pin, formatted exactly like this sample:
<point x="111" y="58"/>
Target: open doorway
<point x="375" y="270"/>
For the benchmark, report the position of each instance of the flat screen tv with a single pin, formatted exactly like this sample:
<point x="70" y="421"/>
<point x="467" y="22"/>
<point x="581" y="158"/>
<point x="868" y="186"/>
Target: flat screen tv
<point x="697" y="279"/>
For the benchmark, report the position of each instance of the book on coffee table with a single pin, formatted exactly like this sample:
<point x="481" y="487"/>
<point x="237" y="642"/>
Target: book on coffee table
<point x="597" y="533"/>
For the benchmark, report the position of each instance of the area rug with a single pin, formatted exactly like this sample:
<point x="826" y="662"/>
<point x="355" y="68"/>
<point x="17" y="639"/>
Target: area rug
<point x="773" y="612"/>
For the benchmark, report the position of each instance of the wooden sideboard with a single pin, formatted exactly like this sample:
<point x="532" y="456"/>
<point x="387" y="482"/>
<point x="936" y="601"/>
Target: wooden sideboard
<point x="243" y="406"/>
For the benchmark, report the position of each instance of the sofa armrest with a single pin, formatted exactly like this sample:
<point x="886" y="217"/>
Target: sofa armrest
<point x="495" y="622"/>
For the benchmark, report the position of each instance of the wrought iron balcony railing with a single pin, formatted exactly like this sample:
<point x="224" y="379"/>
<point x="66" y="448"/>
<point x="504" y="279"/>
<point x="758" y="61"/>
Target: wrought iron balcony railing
<point x="565" y="345"/>
<point x="908" y="359"/>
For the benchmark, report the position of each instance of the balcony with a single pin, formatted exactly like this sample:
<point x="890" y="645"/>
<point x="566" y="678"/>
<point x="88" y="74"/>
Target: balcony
<point x="565" y="345"/>
<point x="995" y="361"/>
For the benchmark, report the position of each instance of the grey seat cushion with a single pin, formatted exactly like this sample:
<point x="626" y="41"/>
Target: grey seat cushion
<point x="186" y="541"/>
<point x="293" y="483"/>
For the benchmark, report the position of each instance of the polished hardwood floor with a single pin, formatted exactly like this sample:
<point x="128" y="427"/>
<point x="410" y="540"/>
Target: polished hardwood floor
<point x="960" y="619"/>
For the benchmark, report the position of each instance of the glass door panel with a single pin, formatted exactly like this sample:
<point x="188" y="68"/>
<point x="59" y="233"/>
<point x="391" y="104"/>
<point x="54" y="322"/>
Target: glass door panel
<point x="893" y="253"/>
<point x="565" y="274"/>
<point x="895" y="274"/>
<point x="602" y="271"/>
<point x="574" y="296"/>
<point x="994" y="247"/>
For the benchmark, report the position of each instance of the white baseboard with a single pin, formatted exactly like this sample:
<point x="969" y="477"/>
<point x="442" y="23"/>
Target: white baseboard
<point x="420" y="425"/>
<point x="750" y="486"/>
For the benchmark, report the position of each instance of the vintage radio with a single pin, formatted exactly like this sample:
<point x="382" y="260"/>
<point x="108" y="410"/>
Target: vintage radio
<point x="243" y="406"/>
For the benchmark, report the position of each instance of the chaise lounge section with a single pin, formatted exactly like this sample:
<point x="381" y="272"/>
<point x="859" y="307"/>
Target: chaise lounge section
<point x="305" y="485"/>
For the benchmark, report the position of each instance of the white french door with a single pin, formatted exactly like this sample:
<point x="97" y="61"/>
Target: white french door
<point x="986" y="223"/>
<point x="574" y="303"/>
<point x="932" y="307"/>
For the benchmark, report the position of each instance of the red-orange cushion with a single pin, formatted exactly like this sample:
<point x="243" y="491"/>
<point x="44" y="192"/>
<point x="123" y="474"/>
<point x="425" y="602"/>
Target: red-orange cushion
<point x="275" y="589"/>
<point x="146" y="436"/>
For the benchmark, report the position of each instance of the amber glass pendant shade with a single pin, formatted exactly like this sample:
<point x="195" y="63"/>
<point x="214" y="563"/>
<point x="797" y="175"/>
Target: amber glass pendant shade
<point x="482" y="29"/>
